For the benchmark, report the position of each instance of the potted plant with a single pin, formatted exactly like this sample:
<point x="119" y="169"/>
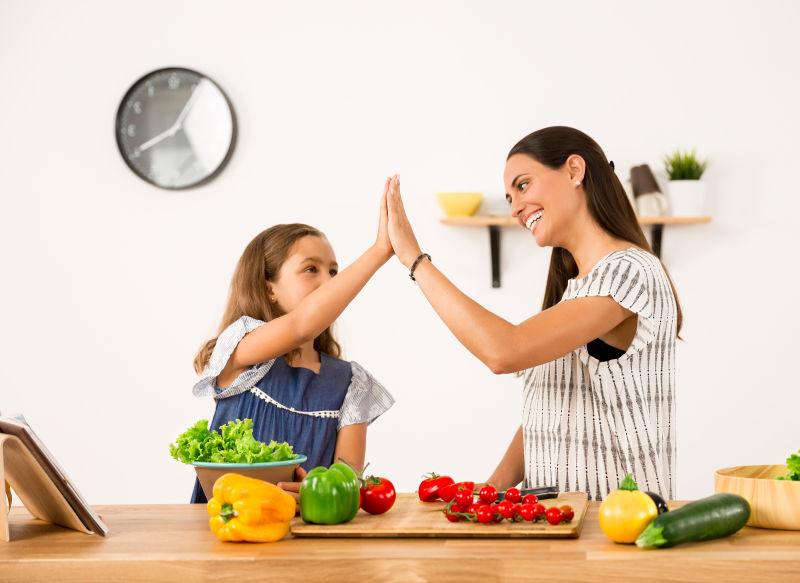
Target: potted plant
<point x="686" y="191"/>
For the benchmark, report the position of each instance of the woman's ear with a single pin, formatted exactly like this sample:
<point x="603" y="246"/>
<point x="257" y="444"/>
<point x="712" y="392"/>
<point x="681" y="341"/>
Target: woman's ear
<point x="576" y="168"/>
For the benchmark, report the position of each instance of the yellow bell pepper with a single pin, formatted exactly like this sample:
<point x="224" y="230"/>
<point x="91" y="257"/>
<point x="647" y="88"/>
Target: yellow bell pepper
<point x="246" y="509"/>
<point x="626" y="512"/>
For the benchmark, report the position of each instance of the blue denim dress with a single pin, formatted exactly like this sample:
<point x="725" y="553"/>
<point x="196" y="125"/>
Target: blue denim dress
<point x="297" y="405"/>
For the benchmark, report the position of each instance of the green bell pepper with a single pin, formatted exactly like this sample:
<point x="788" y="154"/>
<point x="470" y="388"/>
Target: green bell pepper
<point x="330" y="495"/>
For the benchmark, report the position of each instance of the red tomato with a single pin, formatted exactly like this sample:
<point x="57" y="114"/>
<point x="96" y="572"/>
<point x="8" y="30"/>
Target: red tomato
<point x="449" y="491"/>
<point x="488" y="494"/>
<point x="485" y="514"/>
<point x="526" y="512"/>
<point x="496" y="512"/>
<point x="473" y="508"/>
<point x="377" y="495"/>
<point x="517" y="515"/>
<point x="538" y="511"/>
<point x="530" y="499"/>
<point x="452" y="513"/>
<point x="554" y="515"/>
<point x="506" y="509"/>
<point x="569" y="514"/>
<point x="463" y="497"/>
<point x="514" y="495"/>
<point x="429" y="487"/>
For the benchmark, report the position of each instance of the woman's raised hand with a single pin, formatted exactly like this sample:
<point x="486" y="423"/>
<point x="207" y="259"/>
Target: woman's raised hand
<point x="400" y="232"/>
<point x="382" y="242"/>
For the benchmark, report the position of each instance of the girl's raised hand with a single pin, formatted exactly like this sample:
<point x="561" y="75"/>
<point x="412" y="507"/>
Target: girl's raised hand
<point x="400" y="232"/>
<point x="382" y="242"/>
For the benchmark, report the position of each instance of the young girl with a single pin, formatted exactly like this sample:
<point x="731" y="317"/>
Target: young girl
<point x="599" y="397"/>
<point x="275" y="359"/>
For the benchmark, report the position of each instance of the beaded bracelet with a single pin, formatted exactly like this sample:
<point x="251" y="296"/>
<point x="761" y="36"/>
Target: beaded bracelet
<point x="416" y="262"/>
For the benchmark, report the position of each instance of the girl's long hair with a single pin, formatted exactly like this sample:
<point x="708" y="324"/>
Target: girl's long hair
<point x="606" y="199"/>
<point x="260" y="263"/>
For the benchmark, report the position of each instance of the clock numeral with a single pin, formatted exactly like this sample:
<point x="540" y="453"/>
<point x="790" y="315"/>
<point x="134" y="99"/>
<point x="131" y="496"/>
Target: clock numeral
<point x="137" y="107"/>
<point x="174" y="82"/>
<point x="136" y="153"/>
<point x="150" y="89"/>
<point x="131" y="130"/>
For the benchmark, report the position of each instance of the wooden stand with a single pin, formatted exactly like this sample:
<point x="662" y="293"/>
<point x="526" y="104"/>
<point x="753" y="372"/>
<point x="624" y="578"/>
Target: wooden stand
<point x="35" y="489"/>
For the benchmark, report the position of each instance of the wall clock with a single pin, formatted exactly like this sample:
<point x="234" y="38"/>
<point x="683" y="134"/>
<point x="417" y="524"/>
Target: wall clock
<point x="175" y="128"/>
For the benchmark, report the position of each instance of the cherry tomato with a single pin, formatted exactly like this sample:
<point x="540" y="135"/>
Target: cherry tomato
<point x="452" y="513"/>
<point x="473" y="508"/>
<point x="429" y="487"/>
<point x="569" y="514"/>
<point x="377" y="495"/>
<point x="538" y="511"/>
<point x="514" y="495"/>
<point x="526" y="512"/>
<point x="554" y="515"/>
<point x="496" y="513"/>
<point x="485" y="514"/>
<point x="447" y="493"/>
<point x="517" y="515"/>
<point x="506" y="509"/>
<point x="530" y="499"/>
<point x="463" y="497"/>
<point x="488" y="494"/>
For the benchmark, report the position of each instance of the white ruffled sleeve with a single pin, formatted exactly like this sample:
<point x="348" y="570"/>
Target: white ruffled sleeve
<point x="366" y="398"/>
<point x="226" y="344"/>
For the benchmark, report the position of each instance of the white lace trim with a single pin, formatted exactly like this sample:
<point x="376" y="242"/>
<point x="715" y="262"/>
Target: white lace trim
<point x="265" y="397"/>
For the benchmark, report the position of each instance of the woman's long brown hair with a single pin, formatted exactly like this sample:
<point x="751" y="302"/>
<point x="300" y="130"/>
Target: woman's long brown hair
<point x="261" y="261"/>
<point x="606" y="199"/>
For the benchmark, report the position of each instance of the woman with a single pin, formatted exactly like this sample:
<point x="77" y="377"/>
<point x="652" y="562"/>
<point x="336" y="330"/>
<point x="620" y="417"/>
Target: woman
<point x="599" y="359"/>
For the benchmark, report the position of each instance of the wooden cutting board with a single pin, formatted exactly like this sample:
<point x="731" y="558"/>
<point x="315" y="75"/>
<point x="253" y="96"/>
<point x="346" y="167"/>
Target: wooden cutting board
<point x="410" y="518"/>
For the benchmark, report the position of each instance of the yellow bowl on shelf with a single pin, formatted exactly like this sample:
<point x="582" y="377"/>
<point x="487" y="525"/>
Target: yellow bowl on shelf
<point x="773" y="503"/>
<point x="460" y="204"/>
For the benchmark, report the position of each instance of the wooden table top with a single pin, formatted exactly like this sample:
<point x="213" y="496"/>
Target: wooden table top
<point x="157" y="543"/>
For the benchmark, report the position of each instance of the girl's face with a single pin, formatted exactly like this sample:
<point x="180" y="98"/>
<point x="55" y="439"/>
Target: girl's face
<point x="543" y="200"/>
<point x="310" y="263"/>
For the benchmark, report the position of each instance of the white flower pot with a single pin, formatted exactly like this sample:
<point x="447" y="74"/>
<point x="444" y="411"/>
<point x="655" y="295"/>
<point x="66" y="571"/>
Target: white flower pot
<point x="687" y="198"/>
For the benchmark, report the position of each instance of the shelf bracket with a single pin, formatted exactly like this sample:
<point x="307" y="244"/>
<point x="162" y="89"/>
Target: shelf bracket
<point x="494" y="244"/>
<point x="656" y="232"/>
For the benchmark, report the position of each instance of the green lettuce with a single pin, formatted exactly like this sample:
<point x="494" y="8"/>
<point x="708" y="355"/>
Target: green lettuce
<point x="793" y="465"/>
<point x="233" y="444"/>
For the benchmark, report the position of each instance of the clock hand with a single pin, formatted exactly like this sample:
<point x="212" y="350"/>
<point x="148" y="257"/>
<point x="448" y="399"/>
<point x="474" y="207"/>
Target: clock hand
<point x="153" y="141"/>
<point x="186" y="108"/>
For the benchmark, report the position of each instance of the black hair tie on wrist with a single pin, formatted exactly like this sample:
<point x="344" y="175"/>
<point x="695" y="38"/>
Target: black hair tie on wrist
<point x="416" y="262"/>
<point x="611" y="163"/>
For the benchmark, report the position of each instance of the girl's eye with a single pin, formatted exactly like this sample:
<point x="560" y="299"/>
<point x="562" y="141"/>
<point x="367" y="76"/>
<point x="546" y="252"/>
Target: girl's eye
<point x="333" y="272"/>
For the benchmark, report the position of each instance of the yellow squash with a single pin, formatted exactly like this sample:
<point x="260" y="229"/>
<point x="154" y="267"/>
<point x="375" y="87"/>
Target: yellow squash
<point x="626" y="512"/>
<point x="246" y="509"/>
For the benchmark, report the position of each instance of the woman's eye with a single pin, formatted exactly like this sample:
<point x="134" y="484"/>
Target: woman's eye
<point x="333" y="272"/>
<point x="521" y="186"/>
<point x="311" y="269"/>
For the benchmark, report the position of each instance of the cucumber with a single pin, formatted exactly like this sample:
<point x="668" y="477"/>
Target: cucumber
<point x="705" y="519"/>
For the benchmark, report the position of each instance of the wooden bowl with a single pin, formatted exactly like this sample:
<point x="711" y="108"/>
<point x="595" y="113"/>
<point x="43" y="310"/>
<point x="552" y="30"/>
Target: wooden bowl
<point x="272" y="472"/>
<point x="773" y="503"/>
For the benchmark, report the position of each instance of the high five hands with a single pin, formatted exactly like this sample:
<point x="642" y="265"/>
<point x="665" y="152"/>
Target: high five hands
<point x="394" y="224"/>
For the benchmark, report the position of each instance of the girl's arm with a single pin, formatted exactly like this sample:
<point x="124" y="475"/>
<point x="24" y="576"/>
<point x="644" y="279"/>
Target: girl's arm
<point x="351" y="445"/>
<point x="511" y="469"/>
<point x="317" y="311"/>
<point x="500" y="345"/>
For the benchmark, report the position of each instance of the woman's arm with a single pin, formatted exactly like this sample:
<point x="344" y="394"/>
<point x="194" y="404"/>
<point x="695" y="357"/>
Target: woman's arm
<point x="511" y="469"/>
<point x="317" y="311"/>
<point x="500" y="345"/>
<point x="351" y="445"/>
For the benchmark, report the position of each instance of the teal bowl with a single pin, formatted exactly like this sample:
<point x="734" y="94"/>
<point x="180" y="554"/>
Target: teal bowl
<point x="273" y="472"/>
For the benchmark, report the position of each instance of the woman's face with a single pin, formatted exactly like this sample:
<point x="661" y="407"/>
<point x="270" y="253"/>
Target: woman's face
<point x="310" y="263"/>
<point x="543" y="200"/>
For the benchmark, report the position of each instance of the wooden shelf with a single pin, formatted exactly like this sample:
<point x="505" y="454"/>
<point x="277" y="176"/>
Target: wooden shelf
<point x="494" y="222"/>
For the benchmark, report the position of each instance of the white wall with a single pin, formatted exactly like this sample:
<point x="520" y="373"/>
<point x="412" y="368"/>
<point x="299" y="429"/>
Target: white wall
<point x="109" y="284"/>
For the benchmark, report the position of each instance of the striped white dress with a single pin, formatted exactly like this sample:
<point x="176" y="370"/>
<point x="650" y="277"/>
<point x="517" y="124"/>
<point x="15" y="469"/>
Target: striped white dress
<point x="587" y="423"/>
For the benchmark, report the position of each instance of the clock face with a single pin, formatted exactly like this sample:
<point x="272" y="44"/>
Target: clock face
<point x="175" y="128"/>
